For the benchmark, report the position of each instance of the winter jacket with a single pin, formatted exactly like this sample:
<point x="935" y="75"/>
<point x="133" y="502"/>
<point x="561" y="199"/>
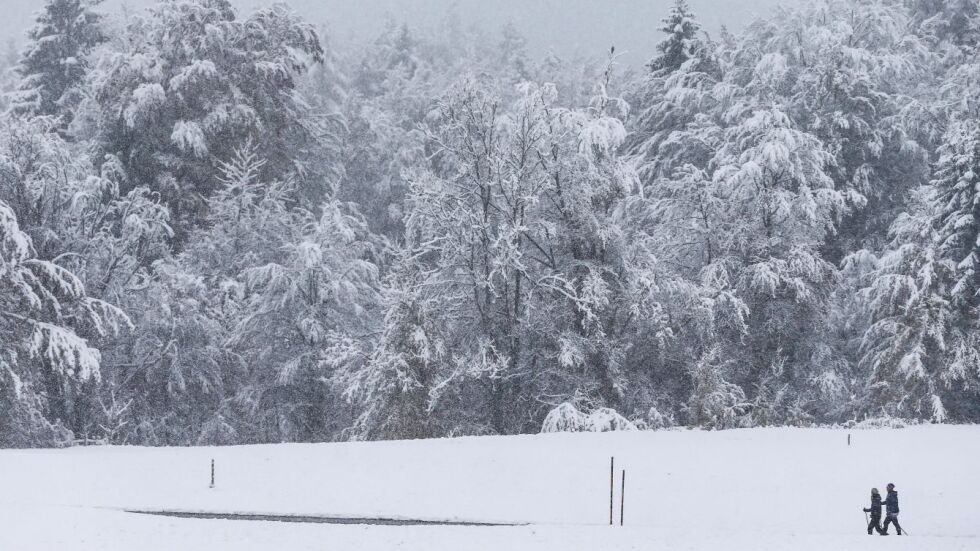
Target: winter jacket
<point x="891" y="503"/>
<point x="875" y="509"/>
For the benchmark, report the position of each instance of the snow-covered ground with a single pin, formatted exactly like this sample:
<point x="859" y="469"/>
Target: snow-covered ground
<point x="760" y="489"/>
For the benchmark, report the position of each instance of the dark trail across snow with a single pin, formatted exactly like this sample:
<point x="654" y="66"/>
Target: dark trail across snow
<point x="316" y="519"/>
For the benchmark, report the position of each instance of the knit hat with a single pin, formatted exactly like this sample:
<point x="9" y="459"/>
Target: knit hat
<point x="891" y="486"/>
<point x="874" y="491"/>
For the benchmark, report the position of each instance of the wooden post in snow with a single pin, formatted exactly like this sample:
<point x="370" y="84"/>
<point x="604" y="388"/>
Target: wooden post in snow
<point x="612" y="486"/>
<point x="212" y="473"/>
<point x="622" y="499"/>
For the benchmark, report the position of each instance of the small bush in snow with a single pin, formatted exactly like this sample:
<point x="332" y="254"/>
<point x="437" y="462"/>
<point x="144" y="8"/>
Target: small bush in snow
<point x="657" y="420"/>
<point x="568" y="418"/>
<point x="881" y="422"/>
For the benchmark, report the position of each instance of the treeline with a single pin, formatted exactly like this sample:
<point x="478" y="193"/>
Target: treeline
<point x="223" y="228"/>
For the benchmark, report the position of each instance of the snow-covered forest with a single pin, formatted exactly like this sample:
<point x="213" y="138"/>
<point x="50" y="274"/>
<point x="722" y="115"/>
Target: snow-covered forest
<point x="221" y="227"/>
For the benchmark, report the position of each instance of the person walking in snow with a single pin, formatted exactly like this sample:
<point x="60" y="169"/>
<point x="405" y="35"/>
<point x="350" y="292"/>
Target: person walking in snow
<point x="875" y="510"/>
<point x="891" y="511"/>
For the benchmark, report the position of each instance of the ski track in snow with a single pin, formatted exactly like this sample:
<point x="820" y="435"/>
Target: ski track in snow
<point x="311" y="519"/>
<point x="758" y="489"/>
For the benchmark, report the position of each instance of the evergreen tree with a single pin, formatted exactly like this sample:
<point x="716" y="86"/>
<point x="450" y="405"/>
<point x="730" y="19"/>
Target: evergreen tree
<point x="958" y="216"/>
<point x="682" y="42"/>
<point x="55" y="61"/>
<point x="906" y="348"/>
<point x="193" y="83"/>
<point x="678" y="94"/>
<point x="513" y="54"/>
<point x="396" y="388"/>
<point x="42" y="308"/>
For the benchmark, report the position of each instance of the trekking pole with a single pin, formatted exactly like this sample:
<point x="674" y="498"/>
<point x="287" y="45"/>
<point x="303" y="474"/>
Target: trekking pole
<point x="867" y="521"/>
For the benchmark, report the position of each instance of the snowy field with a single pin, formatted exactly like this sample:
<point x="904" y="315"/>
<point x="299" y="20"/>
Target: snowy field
<point x="762" y="489"/>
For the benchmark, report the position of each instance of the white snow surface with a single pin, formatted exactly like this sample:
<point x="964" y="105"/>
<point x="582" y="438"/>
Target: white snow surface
<point x="758" y="489"/>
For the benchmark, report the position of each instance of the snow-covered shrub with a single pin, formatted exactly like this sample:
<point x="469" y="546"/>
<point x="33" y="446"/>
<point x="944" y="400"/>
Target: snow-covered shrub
<point x="655" y="419"/>
<point x="715" y="403"/>
<point x="23" y="423"/>
<point x="883" y="421"/>
<point x="568" y="418"/>
<point x="607" y="420"/>
<point x="776" y="405"/>
<point x="564" y="418"/>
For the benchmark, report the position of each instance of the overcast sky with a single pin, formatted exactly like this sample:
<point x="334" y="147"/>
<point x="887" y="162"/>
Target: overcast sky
<point x="564" y="26"/>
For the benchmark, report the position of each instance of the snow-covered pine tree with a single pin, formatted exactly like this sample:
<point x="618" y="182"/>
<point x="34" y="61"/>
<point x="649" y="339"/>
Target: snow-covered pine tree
<point x="191" y="371"/>
<point x="77" y="218"/>
<point x="388" y="99"/>
<point x="55" y="61"/>
<point x="919" y="295"/>
<point x="906" y="344"/>
<point x="676" y="95"/>
<point x="116" y="242"/>
<point x="192" y="83"/>
<point x="42" y="307"/>
<point x="395" y="389"/>
<point x="308" y="319"/>
<point x="326" y="88"/>
<point x="682" y="42"/>
<point x="958" y="210"/>
<point x="957" y="223"/>
<point x="678" y="212"/>
<point x="716" y="403"/>
<point x="857" y="80"/>
<point x="512" y="50"/>
<point x="782" y="203"/>
<point x="852" y="73"/>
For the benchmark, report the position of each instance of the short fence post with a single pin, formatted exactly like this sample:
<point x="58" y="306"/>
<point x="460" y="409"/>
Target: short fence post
<point x="848" y="439"/>
<point x="622" y="499"/>
<point x="212" y="473"/>
<point x="612" y="482"/>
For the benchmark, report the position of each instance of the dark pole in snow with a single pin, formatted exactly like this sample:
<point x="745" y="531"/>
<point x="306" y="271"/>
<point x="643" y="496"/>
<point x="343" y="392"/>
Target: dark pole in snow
<point x="622" y="499"/>
<point x="212" y="473"/>
<point x="848" y="439"/>
<point x="612" y="482"/>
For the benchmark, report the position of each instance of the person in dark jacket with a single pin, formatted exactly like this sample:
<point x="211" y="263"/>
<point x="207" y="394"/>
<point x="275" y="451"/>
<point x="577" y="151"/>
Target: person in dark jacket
<point x="875" y="511"/>
<point x="891" y="511"/>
